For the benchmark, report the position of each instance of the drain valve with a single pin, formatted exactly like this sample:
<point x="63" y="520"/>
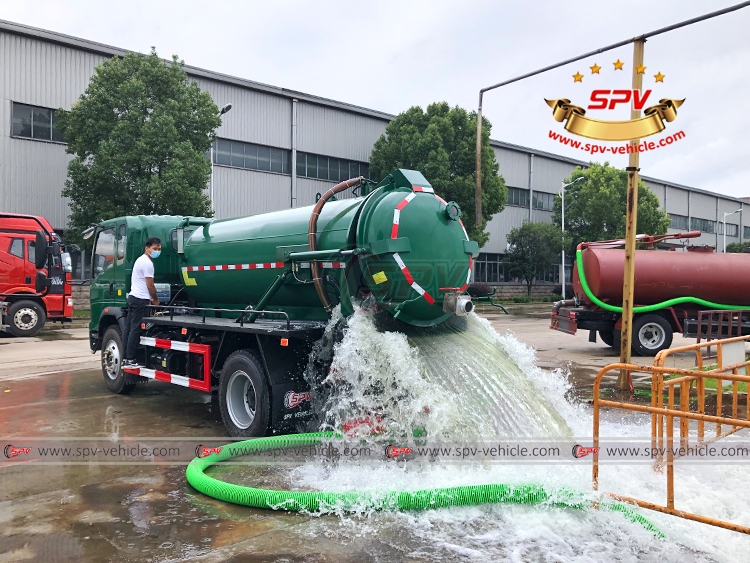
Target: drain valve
<point x="461" y="305"/>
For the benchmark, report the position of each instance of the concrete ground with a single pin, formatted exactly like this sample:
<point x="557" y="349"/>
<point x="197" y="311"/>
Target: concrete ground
<point x="52" y="386"/>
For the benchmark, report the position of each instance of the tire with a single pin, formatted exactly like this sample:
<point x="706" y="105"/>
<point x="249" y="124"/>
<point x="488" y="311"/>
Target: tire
<point x="243" y="396"/>
<point x="607" y="337"/>
<point x="117" y="380"/>
<point x="651" y="335"/>
<point x="26" y="318"/>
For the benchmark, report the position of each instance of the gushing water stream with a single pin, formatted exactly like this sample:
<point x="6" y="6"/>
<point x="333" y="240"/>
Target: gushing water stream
<point x="463" y="381"/>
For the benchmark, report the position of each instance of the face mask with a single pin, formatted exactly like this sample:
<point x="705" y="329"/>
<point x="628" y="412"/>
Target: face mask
<point x="155" y="253"/>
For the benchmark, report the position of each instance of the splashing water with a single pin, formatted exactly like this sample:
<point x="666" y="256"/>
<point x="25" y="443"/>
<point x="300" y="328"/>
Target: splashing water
<point x="462" y="380"/>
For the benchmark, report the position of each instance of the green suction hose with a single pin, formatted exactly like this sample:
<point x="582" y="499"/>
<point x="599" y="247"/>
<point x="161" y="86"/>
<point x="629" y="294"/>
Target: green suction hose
<point x="356" y="501"/>
<point x="645" y="308"/>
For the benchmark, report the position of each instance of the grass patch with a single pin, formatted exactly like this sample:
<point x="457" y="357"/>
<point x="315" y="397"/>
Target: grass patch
<point x="82" y="313"/>
<point x="712" y="383"/>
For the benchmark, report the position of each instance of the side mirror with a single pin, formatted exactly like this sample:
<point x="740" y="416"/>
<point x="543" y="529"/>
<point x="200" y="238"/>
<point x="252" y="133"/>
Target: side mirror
<point x="40" y="258"/>
<point x="180" y="241"/>
<point x="41" y="282"/>
<point x="87" y="232"/>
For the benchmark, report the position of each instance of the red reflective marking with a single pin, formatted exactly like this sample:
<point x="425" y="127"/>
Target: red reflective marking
<point x="471" y="261"/>
<point x="401" y="204"/>
<point x="195" y="384"/>
<point x="417" y="188"/>
<point x="163" y="376"/>
<point x="394" y="230"/>
<point x="428" y="298"/>
<point x="463" y="288"/>
<point x="163" y="343"/>
<point x="407" y="275"/>
<point x="279" y="264"/>
<point x="252" y="266"/>
<point x="238" y="266"/>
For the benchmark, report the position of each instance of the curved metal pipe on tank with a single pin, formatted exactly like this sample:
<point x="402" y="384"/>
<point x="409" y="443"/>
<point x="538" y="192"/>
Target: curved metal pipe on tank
<point x="312" y="240"/>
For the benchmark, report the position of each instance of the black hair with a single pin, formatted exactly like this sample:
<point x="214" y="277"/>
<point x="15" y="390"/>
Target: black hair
<point x="153" y="241"/>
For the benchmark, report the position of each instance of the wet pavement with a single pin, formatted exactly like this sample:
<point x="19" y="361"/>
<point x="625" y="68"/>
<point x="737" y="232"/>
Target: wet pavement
<point x="51" y="386"/>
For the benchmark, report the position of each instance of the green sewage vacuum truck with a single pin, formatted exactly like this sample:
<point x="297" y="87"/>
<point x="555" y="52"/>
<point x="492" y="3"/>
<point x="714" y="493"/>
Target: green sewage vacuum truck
<point x="243" y="300"/>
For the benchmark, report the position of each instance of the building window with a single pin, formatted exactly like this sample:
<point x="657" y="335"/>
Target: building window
<point x="746" y="231"/>
<point x="678" y="222"/>
<point x="329" y="168"/>
<point x="32" y="122"/>
<point x="543" y="201"/>
<point x="517" y="197"/>
<point x="489" y="268"/>
<point x="252" y="157"/>
<point x="703" y="225"/>
<point x="732" y="229"/>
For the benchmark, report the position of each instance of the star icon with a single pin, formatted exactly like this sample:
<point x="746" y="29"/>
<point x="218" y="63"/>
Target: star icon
<point x="595" y="69"/>
<point x="578" y="77"/>
<point x="640" y="69"/>
<point x="659" y="77"/>
<point x="618" y="64"/>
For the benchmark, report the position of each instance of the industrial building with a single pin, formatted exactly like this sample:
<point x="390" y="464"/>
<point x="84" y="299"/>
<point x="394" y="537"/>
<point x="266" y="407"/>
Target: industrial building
<point x="276" y="149"/>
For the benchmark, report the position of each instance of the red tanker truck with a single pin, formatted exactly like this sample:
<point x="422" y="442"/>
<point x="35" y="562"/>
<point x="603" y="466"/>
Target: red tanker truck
<point x="670" y="288"/>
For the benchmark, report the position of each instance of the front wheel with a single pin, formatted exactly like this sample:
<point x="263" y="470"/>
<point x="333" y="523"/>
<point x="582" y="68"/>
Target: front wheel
<point x="26" y="318"/>
<point x="651" y="335"/>
<point x="112" y="353"/>
<point x="243" y="396"/>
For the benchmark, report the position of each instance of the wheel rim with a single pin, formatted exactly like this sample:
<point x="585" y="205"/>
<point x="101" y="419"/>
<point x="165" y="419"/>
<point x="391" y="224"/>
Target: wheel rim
<point x="25" y="318"/>
<point x="241" y="399"/>
<point x="652" y="336"/>
<point x="111" y="359"/>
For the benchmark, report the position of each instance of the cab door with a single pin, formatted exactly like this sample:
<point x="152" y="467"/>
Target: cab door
<point x="103" y="271"/>
<point x="12" y="263"/>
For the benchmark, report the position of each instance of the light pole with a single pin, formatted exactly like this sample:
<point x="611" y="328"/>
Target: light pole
<point x="225" y="109"/>
<point x="562" y="227"/>
<point x="725" y="226"/>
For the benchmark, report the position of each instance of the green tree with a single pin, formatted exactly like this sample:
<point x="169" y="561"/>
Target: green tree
<point x="736" y="247"/>
<point x="595" y="206"/>
<point x="441" y="143"/>
<point x="139" y="136"/>
<point x="532" y="248"/>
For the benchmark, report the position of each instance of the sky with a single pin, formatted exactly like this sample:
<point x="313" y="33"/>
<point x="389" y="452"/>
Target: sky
<point x="391" y="55"/>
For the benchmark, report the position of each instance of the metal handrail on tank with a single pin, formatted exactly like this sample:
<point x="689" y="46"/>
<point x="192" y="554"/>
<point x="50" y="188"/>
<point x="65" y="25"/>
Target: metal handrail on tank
<point x="312" y="234"/>
<point x="203" y="310"/>
<point x="663" y="418"/>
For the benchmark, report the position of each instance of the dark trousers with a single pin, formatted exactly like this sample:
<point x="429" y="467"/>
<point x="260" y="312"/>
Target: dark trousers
<point x="131" y="336"/>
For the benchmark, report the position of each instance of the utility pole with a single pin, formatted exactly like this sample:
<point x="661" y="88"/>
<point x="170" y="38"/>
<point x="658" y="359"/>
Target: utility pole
<point x="631" y="222"/>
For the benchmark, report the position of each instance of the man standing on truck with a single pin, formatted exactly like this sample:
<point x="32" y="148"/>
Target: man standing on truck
<point x="142" y="293"/>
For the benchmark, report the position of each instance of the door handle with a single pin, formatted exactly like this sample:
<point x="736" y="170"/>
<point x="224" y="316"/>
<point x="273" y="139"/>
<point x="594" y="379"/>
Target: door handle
<point x="28" y="279"/>
<point x="112" y="289"/>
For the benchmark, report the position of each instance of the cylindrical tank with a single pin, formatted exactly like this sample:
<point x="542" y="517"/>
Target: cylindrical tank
<point x="410" y="249"/>
<point x="661" y="275"/>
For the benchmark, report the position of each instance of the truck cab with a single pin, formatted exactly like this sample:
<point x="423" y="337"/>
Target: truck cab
<point x="117" y="245"/>
<point x="35" y="275"/>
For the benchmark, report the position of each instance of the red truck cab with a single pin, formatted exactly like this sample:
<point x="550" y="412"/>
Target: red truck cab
<point x="35" y="283"/>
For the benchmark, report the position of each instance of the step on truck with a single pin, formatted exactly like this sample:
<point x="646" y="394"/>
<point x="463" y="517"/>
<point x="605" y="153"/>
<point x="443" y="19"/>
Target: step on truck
<point x="243" y="301"/>
<point x="672" y="291"/>
<point x="35" y="275"/>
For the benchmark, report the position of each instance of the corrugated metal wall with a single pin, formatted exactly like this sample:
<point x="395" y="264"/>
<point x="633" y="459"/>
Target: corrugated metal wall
<point x="32" y="173"/>
<point x="255" y="117"/>
<point x="330" y="132"/>
<point x="240" y="192"/>
<point x="514" y="167"/>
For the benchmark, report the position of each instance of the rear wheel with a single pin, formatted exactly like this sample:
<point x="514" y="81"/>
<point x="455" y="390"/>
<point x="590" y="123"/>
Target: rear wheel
<point x="651" y="335"/>
<point x="243" y="396"/>
<point x="26" y="318"/>
<point x="112" y="353"/>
